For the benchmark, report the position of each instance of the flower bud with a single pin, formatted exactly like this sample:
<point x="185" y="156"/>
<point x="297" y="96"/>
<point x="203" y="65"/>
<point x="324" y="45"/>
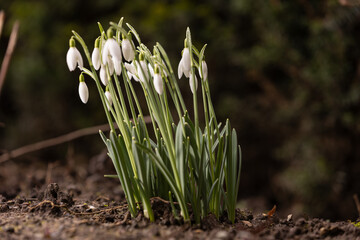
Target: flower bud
<point x="204" y="73"/>
<point x="73" y="56"/>
<point x="109" y="99"/>
<point x="191" y="82"/>
<point x="103" y="75"/>
<point x="158" y="84"/>
<point x="83" y="89"/>
<point x="128" y="50"/>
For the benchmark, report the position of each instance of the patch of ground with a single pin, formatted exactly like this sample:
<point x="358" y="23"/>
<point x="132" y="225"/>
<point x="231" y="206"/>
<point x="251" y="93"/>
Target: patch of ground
<point x="85" y="205"/>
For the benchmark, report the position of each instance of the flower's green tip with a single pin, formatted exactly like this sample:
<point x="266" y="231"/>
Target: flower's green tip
<point x="97" y="43"/>
<point x="110" y="33"/>
<point x="81" y="78"/>
<point x="141" y="56"/>
<point x="72" y="42"/>
<point x="156" y="70"/>
<point x="185" y="43"/>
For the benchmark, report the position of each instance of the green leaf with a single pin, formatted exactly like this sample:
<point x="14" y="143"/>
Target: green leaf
<point x="179" y="150"/>
<point x="134" y="32"/>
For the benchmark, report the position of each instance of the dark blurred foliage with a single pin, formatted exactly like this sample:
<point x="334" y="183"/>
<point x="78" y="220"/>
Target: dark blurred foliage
<point x="286" y="73"/>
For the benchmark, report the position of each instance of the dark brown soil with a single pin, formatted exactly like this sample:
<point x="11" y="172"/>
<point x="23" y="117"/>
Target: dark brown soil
<point x="82" y="204"/>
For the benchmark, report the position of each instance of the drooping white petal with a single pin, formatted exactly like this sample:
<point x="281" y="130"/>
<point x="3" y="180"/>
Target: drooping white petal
<point x="151" y="70"/>
<point x="103" y="75"/>
<point x="130" y="68"/>
<point x="105" y="54"/>
<point x="140" y="72"/>
<point x="144" y="69"/>
<point x="158" y="83"/>
<point x="108" y="96"/>
<point x="187" y="74"/>
<point x="111" y="65"/>
<point x="204" y="73"/>
<point x="95" y="58"/>
<point x="117" y="66"/>
<point x="129" y="75"/>
<point x="73" y="58"/>
<point x="191" y="83"/>
<point x="83" y="92"/>
<point x="180" y="69"/>
<point x="114" y="48"/>
<point x="186" y="63"/>
<point x="128" y="50"/>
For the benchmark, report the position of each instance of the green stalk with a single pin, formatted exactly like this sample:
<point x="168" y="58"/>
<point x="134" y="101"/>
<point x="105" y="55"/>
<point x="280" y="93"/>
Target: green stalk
<point x="196" y="114"/>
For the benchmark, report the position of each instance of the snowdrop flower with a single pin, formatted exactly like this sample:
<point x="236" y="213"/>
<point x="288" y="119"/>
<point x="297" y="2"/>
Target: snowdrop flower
<point x="83" y="89"/>
<point x="131" y="68"/>
<point x="111" y="65"/>
<point x="73" y="56"/>
<point x="108" y="97"/>
<point x="185" y="63"/>
<point x="191" y="82"/>
<point x="111" y="48"/>
<point x="158" y="83"/>
<point x="127" y="49"/>
<point x="131" y="71"/>
<point x="95" y="56"/>
<point x="103" y="75"/>
<point x="204" y="73"/>
<point x="142" y="69"/>
<point x="151" y="70"/>
<point x="130" y="75"/>
<point x="117" y="67"/>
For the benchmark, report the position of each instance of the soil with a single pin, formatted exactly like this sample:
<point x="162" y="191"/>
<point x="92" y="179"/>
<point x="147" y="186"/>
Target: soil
<point x="73" y="200"/>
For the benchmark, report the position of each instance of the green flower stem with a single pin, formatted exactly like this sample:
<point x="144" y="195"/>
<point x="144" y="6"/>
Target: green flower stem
<point x="172" y="75"/>
<point x="196" y="114"/>
<point x="207" y="127"/>
<point x="124" y="108"/>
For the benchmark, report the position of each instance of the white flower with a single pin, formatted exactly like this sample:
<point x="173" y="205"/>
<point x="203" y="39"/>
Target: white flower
<point x="83" y="92"/>
<point x="158" y="83"/>
<point x="111" y="65"/>
<point x="73" y="58"/>
<point x="131" y="68"/>
<point x="151" y="70"/>
<point x="112" y="49"/>
<point x="109" y="99"/>
<point x="180" y="69"/>
<point x="103" y="75"/>
<point x="204" y="73"/>
<point x="184" y="64"/>
<point x="117" y="66"/>
<point x="128" y="50"/>
<point x="95" y="58"/>
<point x="191" y="82"/>
<point x="142" y="71"/>
<point x="130" y="75"/>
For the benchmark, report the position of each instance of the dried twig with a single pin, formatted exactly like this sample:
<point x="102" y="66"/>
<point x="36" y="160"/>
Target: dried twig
<point x="9" y="51"/>
<point x="57" y="140"/>
<point x="2" y="20"/>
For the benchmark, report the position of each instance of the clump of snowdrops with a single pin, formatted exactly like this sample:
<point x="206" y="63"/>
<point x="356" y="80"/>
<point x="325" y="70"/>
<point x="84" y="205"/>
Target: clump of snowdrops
<point x="191" y="167"/>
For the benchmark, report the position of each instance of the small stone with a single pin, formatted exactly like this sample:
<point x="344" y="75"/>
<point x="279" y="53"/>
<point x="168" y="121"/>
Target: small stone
<point x="289" y="217"/>
<point x="222" y="235"/>
<point x="247" y="223"/>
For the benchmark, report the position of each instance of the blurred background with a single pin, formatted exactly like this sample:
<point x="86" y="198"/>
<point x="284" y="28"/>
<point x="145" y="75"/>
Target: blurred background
<point x="286" y="73"/>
